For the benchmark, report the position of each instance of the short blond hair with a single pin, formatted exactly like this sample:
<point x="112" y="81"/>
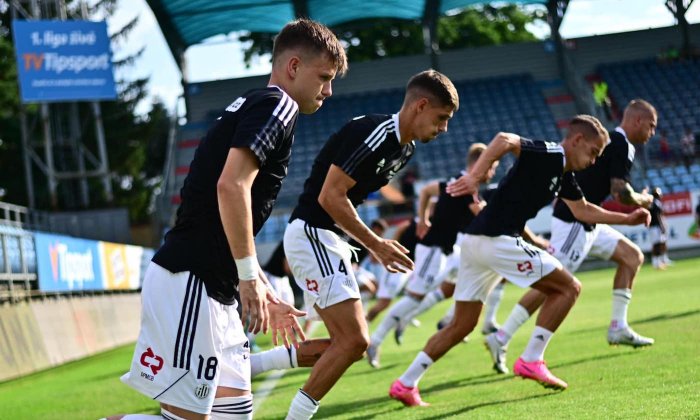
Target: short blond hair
<point x="312" y="37"/>
<point x="475" y="150"/>
<point x="587" y="125"/>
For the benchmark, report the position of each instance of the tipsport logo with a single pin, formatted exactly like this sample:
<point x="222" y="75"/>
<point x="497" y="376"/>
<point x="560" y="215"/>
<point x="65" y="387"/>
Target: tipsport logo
<point x="72" y="267"/>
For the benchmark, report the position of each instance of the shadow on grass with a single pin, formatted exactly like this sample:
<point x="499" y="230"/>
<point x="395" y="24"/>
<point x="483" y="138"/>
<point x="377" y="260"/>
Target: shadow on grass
<point x="650" y="320"/>
<point x="596" y="358"/>
<point x="490" y="403"/>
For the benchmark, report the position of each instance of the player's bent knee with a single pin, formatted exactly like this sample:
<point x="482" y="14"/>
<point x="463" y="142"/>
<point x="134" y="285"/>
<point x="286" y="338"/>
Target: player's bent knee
<point x="576" y="287"/>
<point x="232" y="408"/>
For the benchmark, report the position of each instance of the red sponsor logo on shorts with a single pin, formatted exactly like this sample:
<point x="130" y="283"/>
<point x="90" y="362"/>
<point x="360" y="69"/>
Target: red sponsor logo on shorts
<point x="312" y="285"/>
<point x="525" y="267"/>
<point x="151" y="360"/>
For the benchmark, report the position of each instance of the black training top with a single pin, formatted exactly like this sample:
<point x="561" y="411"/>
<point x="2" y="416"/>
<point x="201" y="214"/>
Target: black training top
<point x="368" y="150"/>
<point x="533" y="181"/>
<point x="657" y="212"/>
<point x="615" y="162"/>
<point x="262" y="120"/>
<point x="451" y="215"/>
<point x="275" y="265"/>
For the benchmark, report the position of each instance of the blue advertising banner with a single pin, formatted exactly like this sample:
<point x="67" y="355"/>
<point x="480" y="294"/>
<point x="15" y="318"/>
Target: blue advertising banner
<point x="63" y="60"/>
<point x="67" y="264"/>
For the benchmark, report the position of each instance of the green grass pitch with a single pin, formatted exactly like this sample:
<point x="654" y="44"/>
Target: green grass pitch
<point x="604" y="382"/>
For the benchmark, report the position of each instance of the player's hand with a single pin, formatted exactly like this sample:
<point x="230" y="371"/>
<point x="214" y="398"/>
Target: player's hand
<point x="392" y="256"/>
<point x="639" y="216"/>
<point x="464" y="185"/>
<point x="254" y="305"/>
<point x="284" y="324"/>
<point x="646" y="199"/>
<point x="422" y="228"/>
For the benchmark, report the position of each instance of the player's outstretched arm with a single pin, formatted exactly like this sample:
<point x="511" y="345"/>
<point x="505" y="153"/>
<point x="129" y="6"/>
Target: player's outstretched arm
<point x="623" y="192"/>
<point x="233" y="194"/>
<point x="423" y="217"/>
<point x="590" y="213"/>
<point x="502" y="144"/>
<point x="334" y="200"/>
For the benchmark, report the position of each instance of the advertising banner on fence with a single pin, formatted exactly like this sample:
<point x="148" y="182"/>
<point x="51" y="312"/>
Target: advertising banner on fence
<point x="67" y="264"/>
<point x="121" y="266"/>
<point x="63" y="60"/>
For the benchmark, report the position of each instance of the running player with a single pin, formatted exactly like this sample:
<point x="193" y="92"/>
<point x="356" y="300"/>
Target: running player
<point x="360" y="158"/>
<point x="573" y="239"/>
<point x="192" y="354"/>
<point x="657" y="232"/>
<point x="494" y="248"/>
<point x="437" y="235"/>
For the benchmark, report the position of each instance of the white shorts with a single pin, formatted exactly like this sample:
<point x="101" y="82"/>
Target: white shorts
<point x="391" y="284"/>
<point x="430" y="261"/>
<point x="449" y="273"/>
<point x="656" y="236"/>
<point x="488" y="259"/>
<point x="282" y="288"/>
<point x="571" y="243"/>
<point x="320" y="262"/>
<point x="189" y="343"/>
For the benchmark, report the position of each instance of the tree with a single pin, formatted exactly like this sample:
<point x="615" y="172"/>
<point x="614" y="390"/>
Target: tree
<point x="135" y="144"/>
<point x="377" y="38"/>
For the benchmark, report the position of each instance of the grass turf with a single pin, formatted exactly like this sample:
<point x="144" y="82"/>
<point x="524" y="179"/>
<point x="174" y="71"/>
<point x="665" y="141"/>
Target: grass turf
<point x="604" y="382"/>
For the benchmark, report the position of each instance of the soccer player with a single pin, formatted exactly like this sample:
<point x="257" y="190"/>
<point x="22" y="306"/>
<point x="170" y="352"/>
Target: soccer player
<point x="657" y="232"/>
<point x="360" y="158"/>
<point x="390" y="284"/>
<point x="573" y="239"/>
<point x="192" y="354"/>
<point x="437" y="235"/>
<point x="494" y="249"/>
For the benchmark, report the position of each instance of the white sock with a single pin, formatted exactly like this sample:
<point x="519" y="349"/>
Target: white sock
<point x="537" y="344"/>
<point x="655" y="261"/>
<point x="143" y="417"/>
<point x="430" y="300"/>
<point x="232" y="408"/>
<point x="620" y="302"/>
<point x="416" y="371"/>
<point x="518" y="316"/>
<point x="277" y="358"/>
<point x="303" y="407"/>
<point x="449" y="315"/>
<point x="405" y="305"/>
<point x="665" y="258"/>
<point x="492" y="302"/>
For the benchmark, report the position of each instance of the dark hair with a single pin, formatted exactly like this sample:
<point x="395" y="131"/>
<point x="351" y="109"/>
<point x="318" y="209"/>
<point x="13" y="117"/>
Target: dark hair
<point x="313" y="37"/>
<point x="434" y="85"/>
<point x="587" y="125"/>
<point x="379" y="223"/>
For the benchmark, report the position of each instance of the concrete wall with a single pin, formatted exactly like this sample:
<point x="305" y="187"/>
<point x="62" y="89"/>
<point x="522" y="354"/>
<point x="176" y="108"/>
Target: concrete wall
<point x="42" y="334"/>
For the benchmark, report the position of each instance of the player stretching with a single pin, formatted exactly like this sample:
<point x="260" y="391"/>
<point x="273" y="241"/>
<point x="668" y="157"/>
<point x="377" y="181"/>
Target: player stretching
<point x="360" y="158"/>
<point x="573" y="239"/>
<point x="493" y="248"/>
<point x="192" y="355"/>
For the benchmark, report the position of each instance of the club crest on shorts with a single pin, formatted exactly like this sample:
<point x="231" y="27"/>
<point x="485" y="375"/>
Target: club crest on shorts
<point x="201" y="391"/>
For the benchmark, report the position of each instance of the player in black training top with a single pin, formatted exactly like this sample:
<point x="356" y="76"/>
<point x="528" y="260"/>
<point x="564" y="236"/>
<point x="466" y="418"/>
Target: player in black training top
<point x="192" y="354"/>
<point x="658" y="232"/>
<point x="357" y="160"/>
<point x="572" y="239"/>
<point x="437" y="235"/>
<point x="493" y="248"/>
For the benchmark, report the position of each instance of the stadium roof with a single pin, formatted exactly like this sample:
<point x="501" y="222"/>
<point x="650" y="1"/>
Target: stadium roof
<point x="188" y="22"/>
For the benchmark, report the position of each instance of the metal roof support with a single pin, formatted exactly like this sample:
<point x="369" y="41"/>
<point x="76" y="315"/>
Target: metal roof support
<point x="301" y="8"/>
<point x="678" y="8"/>
<point x="430" y="36"/>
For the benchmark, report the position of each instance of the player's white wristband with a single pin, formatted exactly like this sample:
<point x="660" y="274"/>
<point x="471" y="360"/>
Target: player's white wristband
<point x="247" y="268"/>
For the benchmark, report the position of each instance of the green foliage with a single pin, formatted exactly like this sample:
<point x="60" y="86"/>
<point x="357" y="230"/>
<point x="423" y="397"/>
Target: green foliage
<point x="135" y="143"/>
<point x="604" y="382"/>
<point x="377" y="38"/>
